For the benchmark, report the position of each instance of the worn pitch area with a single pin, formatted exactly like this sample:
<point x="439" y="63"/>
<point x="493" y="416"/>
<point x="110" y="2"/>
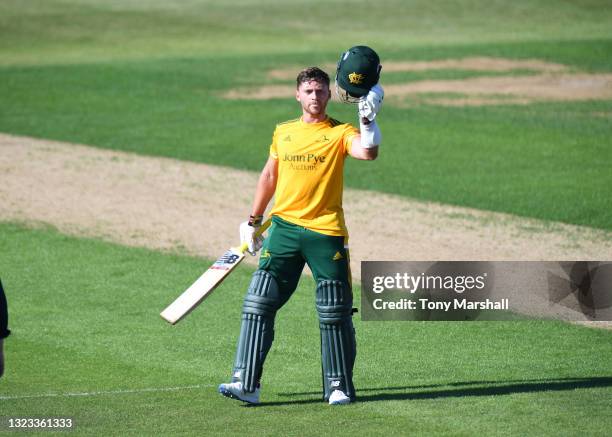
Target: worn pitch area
<point x="173" y="205"/>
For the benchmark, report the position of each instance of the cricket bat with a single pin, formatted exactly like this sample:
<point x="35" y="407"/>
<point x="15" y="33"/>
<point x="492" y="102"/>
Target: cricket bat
<point x="206" y="284"/>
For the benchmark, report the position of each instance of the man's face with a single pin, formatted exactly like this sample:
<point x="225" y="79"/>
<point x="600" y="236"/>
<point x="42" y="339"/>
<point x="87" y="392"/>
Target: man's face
<point x="313" y="96"/>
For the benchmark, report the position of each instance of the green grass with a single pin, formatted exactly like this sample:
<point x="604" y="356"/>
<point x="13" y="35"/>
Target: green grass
<point x="43" y="31"/>
<point x="450" y="74"/>
<point x="84" y="316"/>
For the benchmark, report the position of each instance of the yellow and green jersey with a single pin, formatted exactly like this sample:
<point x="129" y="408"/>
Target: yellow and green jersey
<point x="310" y="173"/>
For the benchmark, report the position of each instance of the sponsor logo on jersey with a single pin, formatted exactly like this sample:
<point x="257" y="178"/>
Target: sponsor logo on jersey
<point x="309" y="158"/>
<point x="307" y="161"/>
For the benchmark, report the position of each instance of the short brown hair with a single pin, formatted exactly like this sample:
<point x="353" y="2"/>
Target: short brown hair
<point x="312" y="73"/>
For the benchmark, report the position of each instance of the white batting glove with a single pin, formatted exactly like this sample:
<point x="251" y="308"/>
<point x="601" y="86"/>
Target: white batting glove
<point x="370" y="104"/>
<point x="247" y="235"/>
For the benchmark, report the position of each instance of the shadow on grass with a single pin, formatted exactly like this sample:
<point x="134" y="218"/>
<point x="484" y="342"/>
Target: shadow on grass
<point x="459" y="389"/>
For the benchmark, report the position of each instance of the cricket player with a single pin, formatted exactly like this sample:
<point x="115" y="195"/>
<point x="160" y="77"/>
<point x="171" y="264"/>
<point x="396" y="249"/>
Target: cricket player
<point x="304" y="172"/>
<point x="4" y="332"/>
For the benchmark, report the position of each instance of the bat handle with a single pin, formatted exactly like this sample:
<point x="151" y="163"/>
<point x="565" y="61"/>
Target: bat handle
<point x="265" y="225"/>
<point x="243" y="247"/>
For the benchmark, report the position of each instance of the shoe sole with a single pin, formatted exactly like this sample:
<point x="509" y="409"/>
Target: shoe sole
<point x="229" y="394"/>
<point x="345" y="402"/>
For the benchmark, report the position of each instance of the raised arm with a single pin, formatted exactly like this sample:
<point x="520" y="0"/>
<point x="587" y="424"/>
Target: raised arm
<point x="360" y="152"/>
<point x="365" y="145"/>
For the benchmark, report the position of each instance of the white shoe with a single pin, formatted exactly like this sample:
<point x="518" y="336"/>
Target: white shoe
<point x="338" y="398"/>
<point x="234" y="390"/>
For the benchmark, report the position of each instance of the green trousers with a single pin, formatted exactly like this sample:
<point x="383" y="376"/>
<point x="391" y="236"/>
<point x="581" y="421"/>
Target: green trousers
<point x="289" y="247"/>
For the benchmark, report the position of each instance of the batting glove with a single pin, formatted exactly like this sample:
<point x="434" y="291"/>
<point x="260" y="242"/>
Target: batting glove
<point x="370" y="104"/>
<point x="247" y="235"/>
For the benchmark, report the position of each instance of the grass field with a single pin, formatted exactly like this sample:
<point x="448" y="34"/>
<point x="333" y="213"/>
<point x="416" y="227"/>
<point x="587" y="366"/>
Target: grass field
<point x="147" y="76"/>
<point x="88" y="344"/>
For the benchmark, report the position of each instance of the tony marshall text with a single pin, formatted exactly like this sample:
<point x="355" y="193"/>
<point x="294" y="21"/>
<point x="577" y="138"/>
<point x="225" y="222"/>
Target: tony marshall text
<point x="426" y="304"/>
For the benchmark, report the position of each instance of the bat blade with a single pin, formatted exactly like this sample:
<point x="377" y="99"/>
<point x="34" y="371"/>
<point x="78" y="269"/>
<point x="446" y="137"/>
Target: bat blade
<point x="206" y="284"/>
<point x="203" y="286"/>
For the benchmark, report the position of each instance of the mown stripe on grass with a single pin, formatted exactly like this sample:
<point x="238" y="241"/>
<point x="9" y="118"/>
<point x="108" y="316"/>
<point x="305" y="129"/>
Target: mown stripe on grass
<point x="106" y="392"/>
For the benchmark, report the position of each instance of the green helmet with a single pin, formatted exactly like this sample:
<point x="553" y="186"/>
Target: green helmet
<point x="357" y="72"/>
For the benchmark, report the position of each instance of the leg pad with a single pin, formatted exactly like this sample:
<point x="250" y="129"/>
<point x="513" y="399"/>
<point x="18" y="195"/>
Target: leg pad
<point x="257" y="329"/>
<point x="338" y="346"/>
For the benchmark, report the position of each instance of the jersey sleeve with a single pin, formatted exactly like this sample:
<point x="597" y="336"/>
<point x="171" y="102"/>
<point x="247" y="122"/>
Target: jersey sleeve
<point x="273" y="148"/>
<point x="349" y="133"/>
